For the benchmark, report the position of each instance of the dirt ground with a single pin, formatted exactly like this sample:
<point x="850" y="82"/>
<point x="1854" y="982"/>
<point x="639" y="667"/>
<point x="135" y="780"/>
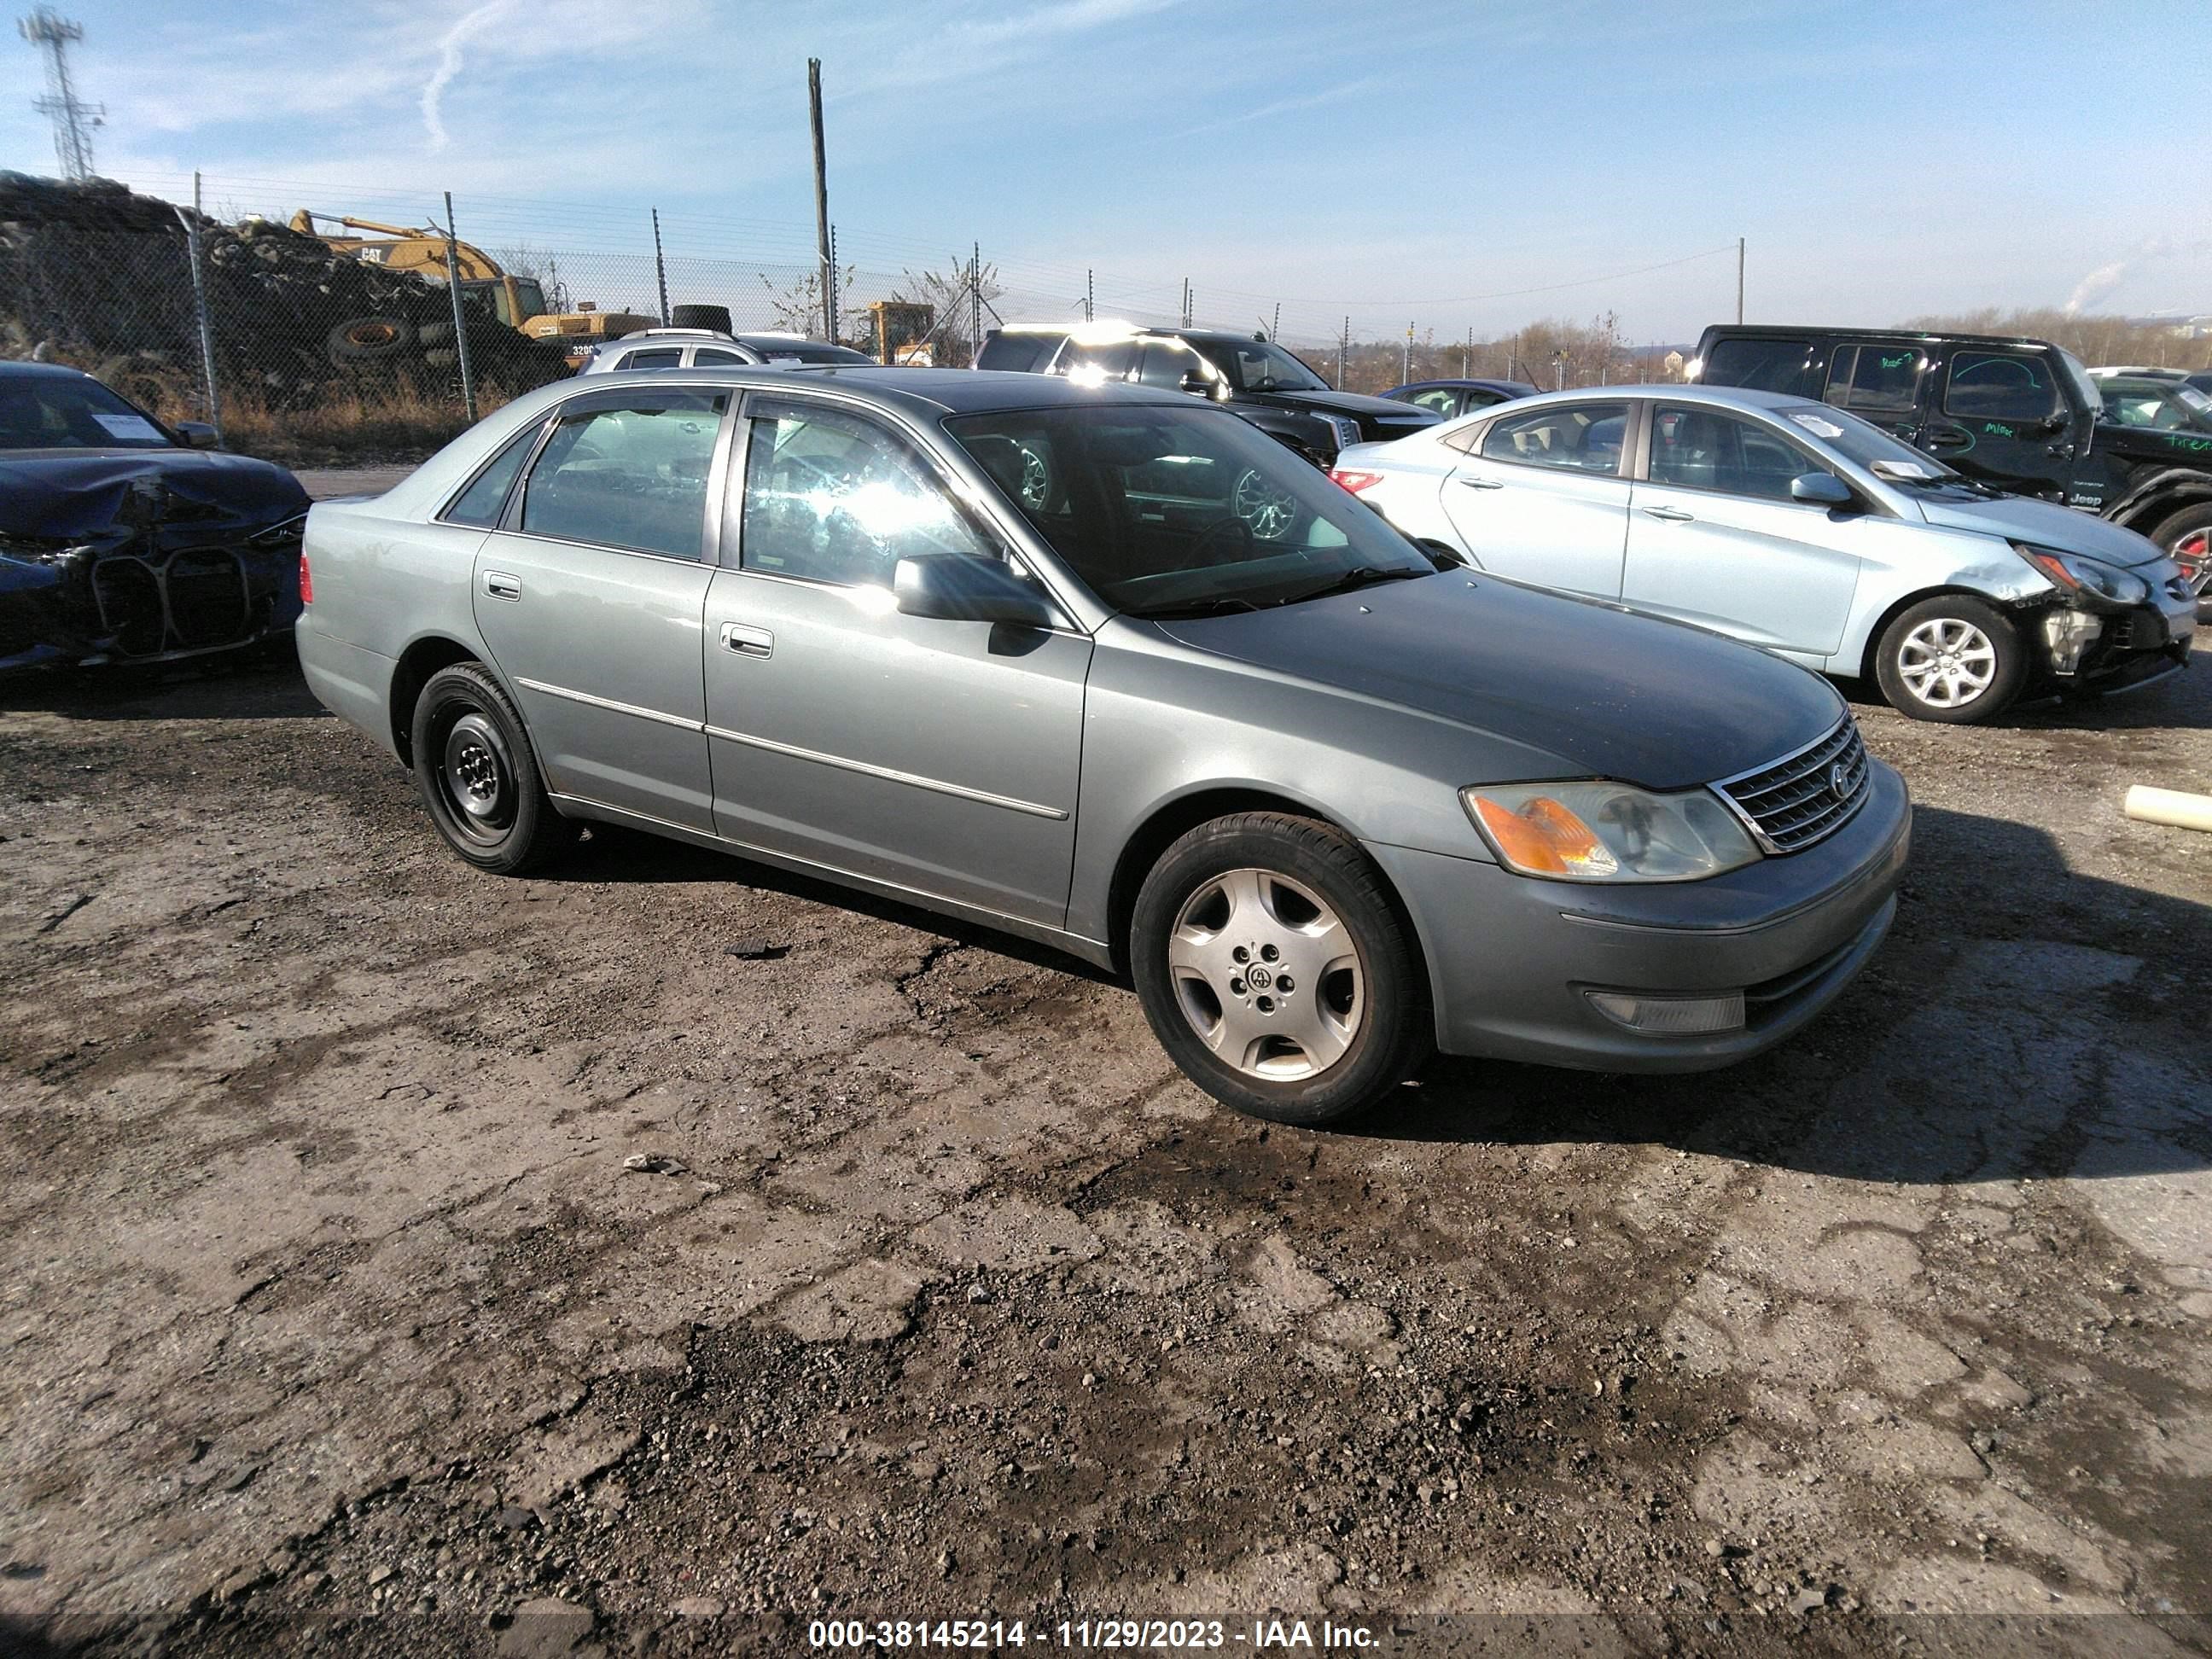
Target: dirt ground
<point x="330" y="1307"/>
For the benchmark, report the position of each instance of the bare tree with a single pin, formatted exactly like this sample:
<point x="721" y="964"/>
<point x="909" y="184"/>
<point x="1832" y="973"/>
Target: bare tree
<point x="947" y="292"/>
<point x="797" y="306"/>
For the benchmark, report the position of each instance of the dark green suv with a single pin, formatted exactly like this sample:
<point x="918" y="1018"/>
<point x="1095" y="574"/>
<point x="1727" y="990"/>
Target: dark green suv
<point x="2021" y="415"/>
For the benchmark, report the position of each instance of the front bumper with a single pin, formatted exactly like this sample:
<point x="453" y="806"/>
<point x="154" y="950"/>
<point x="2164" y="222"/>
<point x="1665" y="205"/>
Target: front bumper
<point x="1511" y="958"/>
<point x="2127" y="648"/>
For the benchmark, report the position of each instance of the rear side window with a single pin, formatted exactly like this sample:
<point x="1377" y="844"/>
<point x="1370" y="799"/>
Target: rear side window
<point x="480" y="503"/>
<point x="1578" y="437"/>
<point x="1875" y="380"/>
<point x="1762" y="365"/>
<point x="2001" y="385"/>
<point x="660" y="357"/>
<point x="632" y="476"/>
<point x="709" y="355"/>
<point x="1091" y="364"/>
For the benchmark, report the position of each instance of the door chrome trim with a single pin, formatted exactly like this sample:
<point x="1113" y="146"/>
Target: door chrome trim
<point x="585" y="697"/>
<point x="936" y="785"/>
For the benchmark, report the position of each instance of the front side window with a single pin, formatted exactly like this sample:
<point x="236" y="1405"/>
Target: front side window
<point x="1759" y="364"/>
<point x="1875" y="380"/>
<point x="1443" y="400"/>
<point x="480" y="503"/>
<point x="1260" y="365"/>
<point x="1577" y="437"/>
<point x="633" y="476"/>
<point x="1697" y="449"/>
<point x="59" y="411"/>
<point x="2001" y="385"/>
<point x="1166" y="509"/>
<point x="659" y="357"/>
<point x="834" y="497"/>
<point x="1165" y="362"/>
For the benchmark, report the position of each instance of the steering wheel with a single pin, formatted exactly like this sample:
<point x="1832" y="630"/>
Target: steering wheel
<point x="1247" y="546"/>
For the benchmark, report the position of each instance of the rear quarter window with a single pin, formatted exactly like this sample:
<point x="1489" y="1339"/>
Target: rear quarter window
<point x="1764" y="365"/>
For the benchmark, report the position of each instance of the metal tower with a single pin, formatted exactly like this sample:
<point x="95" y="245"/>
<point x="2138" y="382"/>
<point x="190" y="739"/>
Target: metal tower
<point x="73" y="121"/>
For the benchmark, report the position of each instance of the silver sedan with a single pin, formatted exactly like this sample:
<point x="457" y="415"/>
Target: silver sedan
<point x="1793" y="526"/>
<point x="1115" y="670"/>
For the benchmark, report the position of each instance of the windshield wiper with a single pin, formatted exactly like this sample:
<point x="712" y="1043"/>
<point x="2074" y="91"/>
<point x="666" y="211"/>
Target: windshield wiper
<point x="1362" y="575"/>
<point x="1220" y="605"/>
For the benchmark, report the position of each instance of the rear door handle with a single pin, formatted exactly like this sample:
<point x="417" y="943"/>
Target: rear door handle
<point x="1479" y="483"/>
<point x="501" y="586"/>
<point x="748" y="642"/>
<point x="1670" y="515"/>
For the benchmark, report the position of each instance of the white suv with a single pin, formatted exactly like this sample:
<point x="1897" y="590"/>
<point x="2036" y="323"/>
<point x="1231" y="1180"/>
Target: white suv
<point x="681" y="348"/>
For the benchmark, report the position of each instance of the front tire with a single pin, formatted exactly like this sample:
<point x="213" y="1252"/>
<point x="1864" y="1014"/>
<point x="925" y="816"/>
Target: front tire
<point x="476" y="774"/>
<point x="1953" y="659"/>
<point x="1276" y="970"/>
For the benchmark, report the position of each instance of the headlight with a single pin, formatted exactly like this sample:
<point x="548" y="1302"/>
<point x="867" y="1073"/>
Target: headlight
<point x="2074" y="574"/>
<point x="1607" y="831"/>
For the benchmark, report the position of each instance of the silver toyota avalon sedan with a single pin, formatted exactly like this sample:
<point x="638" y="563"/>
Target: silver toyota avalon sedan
<point x="1798" y="527"/>
<point x="1112" y="669"/>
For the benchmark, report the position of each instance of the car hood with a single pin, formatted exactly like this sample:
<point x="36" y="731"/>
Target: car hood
<point x="1348" y="403"/>
<point x="1593" y="690"/>
<point x="2046" y="524"/>
<point x="88" y="493"/>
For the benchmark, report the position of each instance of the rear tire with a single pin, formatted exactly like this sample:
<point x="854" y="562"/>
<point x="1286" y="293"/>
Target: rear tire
<point x="477" y="774"/>
<point x="1276" y="969"/>
<point x="2187" y="538"/>
<point x="1952" y="658"/>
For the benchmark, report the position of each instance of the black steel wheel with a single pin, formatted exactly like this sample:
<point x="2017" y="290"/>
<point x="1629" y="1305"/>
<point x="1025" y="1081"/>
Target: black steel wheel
<point x="475" y="771"/>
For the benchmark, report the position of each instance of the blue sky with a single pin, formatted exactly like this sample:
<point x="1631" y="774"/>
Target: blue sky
<point x="1403" y="163"/>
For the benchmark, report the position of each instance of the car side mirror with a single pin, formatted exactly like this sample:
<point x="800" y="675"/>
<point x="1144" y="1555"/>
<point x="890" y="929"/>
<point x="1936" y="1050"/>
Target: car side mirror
<point x="1195" y="384"/>
<point x="198" y="434"/>
<point x="1821" y="489"/>
<point x="955" y="589"/>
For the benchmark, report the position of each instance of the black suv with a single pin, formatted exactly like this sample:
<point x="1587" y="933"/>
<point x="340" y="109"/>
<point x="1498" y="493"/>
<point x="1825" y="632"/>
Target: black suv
<point x="2020" y="413"/>
<point x="1258" y="379"/>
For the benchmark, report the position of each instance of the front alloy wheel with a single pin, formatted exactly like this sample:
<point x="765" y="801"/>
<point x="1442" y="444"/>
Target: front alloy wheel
<point x="1953" y="659"/>
<point x="1277" y="970"/>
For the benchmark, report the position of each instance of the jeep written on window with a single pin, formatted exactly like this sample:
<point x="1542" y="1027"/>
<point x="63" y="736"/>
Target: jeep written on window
<point x="2020" y="415"/>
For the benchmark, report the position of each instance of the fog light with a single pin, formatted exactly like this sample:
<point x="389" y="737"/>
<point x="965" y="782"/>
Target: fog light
<point x="2067" y="634"/>
<point x="1670" y="1016"/>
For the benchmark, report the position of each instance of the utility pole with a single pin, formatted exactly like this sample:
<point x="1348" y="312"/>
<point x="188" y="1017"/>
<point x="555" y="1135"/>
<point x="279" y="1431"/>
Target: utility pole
<point x="975" y="300"/>
<point x="1467" y="357"/>
<point x="1276" y="333"/>
<point x="1406" y="364"/>
<point x="821" y="193"/>
<point x="1090" y="296"/>
<point x="660" y="265"/>
<point x="73" y="120"/>
<point x="1739" y="279"/>
<point x="1185" y="302"/>
<point x="1343" y="344"/>
<point x="460" y="323"/>
<point x="836" y="319"/>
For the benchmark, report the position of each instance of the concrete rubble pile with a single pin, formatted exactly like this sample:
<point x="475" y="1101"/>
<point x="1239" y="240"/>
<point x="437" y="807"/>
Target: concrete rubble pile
<point x="95" y="275"/>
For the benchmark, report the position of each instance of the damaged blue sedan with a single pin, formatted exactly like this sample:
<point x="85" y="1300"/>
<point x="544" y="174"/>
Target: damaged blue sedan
<point x="125" y="540"/>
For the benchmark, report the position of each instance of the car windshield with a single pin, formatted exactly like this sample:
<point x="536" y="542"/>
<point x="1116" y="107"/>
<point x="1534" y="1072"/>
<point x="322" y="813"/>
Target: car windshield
<point x="1169" y="511"/>
<point x="59" y="412"/>
<point x="1868" y="445"/>
<point x="1257" y="365"/>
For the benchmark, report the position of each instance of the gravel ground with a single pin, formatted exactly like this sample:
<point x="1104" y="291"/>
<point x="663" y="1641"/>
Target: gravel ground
<point x="330" y="1305"/>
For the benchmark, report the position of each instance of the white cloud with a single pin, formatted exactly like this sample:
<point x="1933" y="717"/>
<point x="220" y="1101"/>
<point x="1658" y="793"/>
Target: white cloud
<point x="449" y="65"/>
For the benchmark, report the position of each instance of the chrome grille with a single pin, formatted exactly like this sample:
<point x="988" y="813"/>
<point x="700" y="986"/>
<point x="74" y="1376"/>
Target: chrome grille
<point x="1805" y="797"/>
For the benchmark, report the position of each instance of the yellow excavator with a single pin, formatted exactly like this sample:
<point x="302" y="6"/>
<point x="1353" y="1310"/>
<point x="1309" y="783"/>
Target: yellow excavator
<point x="518" y="301"/>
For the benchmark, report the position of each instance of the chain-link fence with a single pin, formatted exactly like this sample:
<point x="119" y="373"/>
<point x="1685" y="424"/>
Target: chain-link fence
<point x="374" y="323"/>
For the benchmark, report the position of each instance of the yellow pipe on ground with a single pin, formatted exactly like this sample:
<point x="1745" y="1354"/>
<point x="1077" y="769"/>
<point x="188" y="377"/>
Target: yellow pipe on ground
<point x="2173" y="806"/>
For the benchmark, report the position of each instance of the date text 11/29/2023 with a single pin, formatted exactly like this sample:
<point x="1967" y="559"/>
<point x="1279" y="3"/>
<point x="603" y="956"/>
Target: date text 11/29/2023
<point x="1260" y="1636"/>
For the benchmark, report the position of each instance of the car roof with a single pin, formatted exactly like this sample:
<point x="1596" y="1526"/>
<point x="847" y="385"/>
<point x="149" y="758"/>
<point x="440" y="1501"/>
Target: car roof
<point x="19" y="368"/>
<point x="1778" y="331"/>
<point x="1717" y="397"/>
<point x="928" y="392"/>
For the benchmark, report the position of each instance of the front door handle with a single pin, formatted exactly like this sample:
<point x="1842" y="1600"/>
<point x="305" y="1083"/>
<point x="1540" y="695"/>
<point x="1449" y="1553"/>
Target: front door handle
<point x="1479" y="483"/>
<point x="747" y="642"/>
<point x="501" y="586"/>
<point x="1670" y="515"/>
<point x="1947" y="439"/>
